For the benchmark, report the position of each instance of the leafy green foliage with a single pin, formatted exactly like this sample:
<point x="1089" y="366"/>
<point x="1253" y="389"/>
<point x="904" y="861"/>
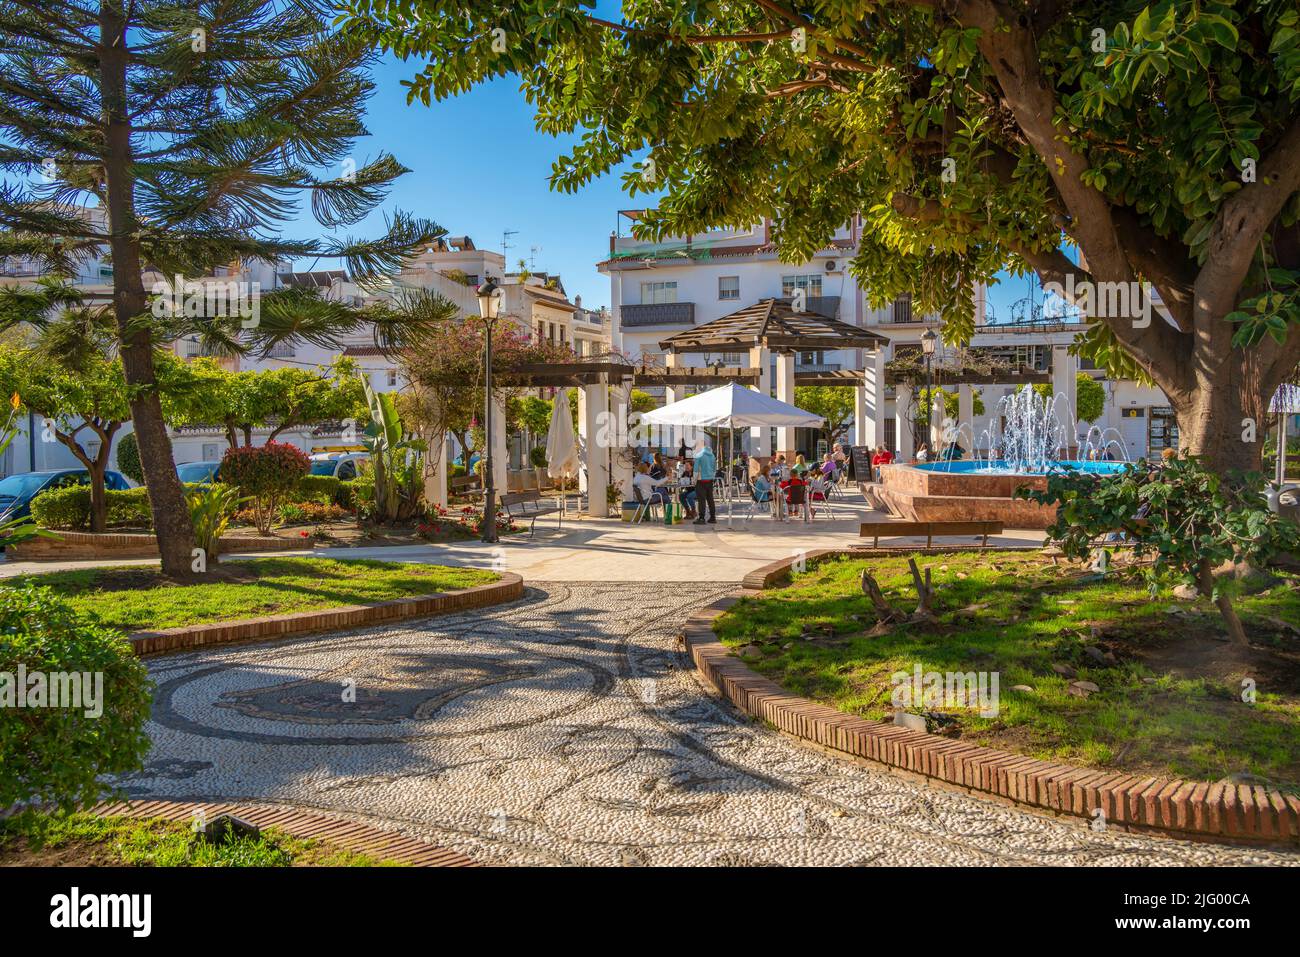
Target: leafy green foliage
<point x="211" y="508"/>
<point x="265" y="473"/>
<point x="128" y="458"/>
<point x="834" y="404"/>
<point x="1090" y="398"/>
<point x="57" y="754"/>
<point x="319" y="488"/>
<point x="1185" y="518"/>
<point x="69" y="508"/>
<point x="396" y="460"/>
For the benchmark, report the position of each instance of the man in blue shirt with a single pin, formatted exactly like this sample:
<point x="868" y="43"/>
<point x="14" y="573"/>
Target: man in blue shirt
<point x="706" y="470"/>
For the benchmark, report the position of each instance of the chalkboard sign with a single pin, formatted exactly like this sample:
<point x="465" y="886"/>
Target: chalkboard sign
<point x="862" y="463"/>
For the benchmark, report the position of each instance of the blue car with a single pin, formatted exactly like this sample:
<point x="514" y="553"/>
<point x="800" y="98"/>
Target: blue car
<point x="17" y="491"/>
<point x="198" y="473"/>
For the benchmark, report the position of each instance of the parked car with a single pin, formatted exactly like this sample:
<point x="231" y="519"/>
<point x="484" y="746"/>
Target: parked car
<point x="17" y="491"/>
<point x="341" y="465"/>
<point x="198" y="473"/>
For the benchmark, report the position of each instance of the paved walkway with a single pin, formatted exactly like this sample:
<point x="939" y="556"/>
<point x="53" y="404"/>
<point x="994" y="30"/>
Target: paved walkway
<point x="567" y="728"/>
<point x="594" y="550"/>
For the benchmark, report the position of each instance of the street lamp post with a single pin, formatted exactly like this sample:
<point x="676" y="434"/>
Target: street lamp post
<point x="928" y="342"/>
<point x="489" y="307"/>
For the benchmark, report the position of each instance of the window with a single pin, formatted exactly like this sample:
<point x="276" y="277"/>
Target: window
<point x="281" y="350"/>
<point x="728" y="287"/>
<point x="392" y="378"/>
<point x="811" y="284"/>
<point x="541" y="331"/>
<point x="1164" y="429"/>
<point x="902" y="309"/>
<point x="657" y="292"/>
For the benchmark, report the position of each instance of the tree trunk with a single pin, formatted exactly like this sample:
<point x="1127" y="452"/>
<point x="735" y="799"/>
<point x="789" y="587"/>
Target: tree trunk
<point x="1223" y="420"/>
<point x="171" y="517"/>
<point x="1205" y="581"/>
<point x="98" y="497"/>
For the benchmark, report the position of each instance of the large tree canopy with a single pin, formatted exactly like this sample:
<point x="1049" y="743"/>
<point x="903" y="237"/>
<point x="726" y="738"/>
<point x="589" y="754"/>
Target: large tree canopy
<point x="1162" y="141"/>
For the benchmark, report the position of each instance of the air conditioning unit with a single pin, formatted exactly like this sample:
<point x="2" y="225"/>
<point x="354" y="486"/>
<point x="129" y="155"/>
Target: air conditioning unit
<point x="832" y="265"/>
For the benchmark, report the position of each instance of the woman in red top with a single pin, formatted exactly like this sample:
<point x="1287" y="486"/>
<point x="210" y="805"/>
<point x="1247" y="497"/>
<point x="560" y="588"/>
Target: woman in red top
<point x="881" y="457"/>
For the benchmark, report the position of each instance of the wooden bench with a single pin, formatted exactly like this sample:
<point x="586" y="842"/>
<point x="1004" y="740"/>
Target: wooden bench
<point x="874" y="530"/>
<point x="467" y="485"/>
<point x="540" y="506"/>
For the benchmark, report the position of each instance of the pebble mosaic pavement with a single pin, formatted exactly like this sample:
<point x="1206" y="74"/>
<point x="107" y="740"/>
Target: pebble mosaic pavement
<point x="568" y="728"/>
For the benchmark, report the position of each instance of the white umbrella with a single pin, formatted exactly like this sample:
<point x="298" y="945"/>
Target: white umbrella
<point x="733" y="406"/>
<point x="561" y="444"/>
<point x="1286" y="400"/>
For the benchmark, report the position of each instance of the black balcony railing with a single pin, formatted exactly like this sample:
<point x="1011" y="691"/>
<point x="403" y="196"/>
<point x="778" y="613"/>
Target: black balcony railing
<point x="660" y="314"/>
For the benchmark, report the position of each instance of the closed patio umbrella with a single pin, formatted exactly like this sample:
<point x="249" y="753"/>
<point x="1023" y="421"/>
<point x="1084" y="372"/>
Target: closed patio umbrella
<point x="561" y="443"/>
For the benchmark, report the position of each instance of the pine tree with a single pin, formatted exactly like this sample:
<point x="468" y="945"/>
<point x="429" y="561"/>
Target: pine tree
<point x="177" y="136"/>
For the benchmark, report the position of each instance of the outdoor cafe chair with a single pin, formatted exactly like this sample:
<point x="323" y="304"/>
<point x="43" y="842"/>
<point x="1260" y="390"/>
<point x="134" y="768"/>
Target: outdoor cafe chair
<point x="644" y="506"/>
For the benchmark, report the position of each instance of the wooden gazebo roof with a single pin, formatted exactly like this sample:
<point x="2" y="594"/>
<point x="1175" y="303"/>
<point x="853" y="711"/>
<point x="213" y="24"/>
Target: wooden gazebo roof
<point x="772" y="323"/>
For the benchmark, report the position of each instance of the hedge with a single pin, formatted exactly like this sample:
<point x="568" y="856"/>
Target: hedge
<point x="319" y="488"/>
<point x="59" y="754"/>
<point x="69" y="508"/>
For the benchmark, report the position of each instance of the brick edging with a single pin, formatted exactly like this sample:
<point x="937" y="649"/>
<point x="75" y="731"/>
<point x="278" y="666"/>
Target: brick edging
<point x="1238" y="813"/>
<point x="340" y="832"/>
<point x="510" y="587"/>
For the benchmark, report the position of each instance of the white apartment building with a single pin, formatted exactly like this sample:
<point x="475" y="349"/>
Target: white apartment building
<point x="657" y="290"/>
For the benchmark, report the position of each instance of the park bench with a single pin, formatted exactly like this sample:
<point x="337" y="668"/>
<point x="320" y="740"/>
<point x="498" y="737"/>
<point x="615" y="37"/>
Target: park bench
<point x="467" y="485"/>
<point x="874" y="530"/>
<point x="521" y="502"/>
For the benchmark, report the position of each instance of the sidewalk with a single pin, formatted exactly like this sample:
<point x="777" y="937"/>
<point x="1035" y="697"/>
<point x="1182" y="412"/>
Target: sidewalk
<point x="610" y="550"/>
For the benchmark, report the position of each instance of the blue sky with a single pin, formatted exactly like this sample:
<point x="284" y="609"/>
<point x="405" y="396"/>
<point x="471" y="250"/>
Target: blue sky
<point x="478" y="167"/>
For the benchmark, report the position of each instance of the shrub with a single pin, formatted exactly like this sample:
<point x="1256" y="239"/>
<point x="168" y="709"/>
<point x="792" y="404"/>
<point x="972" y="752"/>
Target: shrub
<point x="211" y="507"/>
<point x="457" y="470"/>
<point x="319" y="488"/>
<point x="267" y="474"/>
<point x="301" y="513"/>
<point x="347" y="497"/>
<point x="128" y="458"/>
<point x="57" y="754"/>
<point x="537" y="457"/>
<point x="69" y="508"/>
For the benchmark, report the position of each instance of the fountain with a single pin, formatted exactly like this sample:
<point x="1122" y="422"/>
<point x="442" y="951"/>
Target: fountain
<point x="1032" y="437"/>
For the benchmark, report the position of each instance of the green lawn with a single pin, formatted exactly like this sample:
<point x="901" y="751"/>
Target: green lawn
<point x="87" y="840"/>
<point x="1169" y="702"/>
<point x="137" y="598"/>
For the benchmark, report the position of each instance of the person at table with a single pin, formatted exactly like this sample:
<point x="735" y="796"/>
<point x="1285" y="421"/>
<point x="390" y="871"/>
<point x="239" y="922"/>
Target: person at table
<point x="882" y="456"/>
<point x="686" y="480"/>
<point x="922" y="453"/>
<point x="829" y="468"/>
<point x="649" y="487"/>
<point x="706" y="471"/>
<point x="779" y="468"/>
<point x="837" y="453"/>
<point x="800" y="465"/>
<point x="761" y="491"/>
<point x="657" y="468"/>
<point x="789" y="485"/>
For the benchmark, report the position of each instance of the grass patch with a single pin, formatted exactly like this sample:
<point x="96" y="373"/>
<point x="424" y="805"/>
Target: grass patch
<point x="88" y="840"/>
<point x="137" y="598"/>
<point x="1170" y="699"/>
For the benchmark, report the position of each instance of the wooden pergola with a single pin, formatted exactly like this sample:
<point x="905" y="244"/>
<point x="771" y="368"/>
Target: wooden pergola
<point x="774" y="325"/>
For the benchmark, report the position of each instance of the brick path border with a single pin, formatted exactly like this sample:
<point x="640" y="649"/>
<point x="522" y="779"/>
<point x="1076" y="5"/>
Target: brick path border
<point x="1196" y="810"/>
<point x="509" y="588"/>
<point x="340" y="832"/>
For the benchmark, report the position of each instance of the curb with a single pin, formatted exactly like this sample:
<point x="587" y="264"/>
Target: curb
<point x="509" y="588"/>
<point x="340" y="832"/>
<point x="1196" y="810"/>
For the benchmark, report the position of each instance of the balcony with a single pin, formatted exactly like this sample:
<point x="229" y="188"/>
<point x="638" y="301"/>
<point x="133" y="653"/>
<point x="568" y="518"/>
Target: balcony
<point x="659" y="314"/>
<point x="817" y="367"/>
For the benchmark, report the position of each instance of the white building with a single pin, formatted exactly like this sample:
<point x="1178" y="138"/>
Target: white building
<point x="658" y="290"/>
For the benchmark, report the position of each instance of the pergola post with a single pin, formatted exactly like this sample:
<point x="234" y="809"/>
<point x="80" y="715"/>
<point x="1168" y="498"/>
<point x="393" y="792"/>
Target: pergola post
<point x="904" y="403"/>
<point x="966" y="408"/>
<point x="435" y="471"/>
<point x="761" y="358"/>
<point x="869" y="408"/>
<point x="500" y="455"/>
<point x="785" y="443"/>
<point x="583" y="439"/>
<point x="595" y="410"/>
<point x="620" y="471"/>
<point x="1064" y="382"/>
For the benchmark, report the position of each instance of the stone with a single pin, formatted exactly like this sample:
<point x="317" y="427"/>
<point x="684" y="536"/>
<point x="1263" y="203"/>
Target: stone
<point x="1027" y="689"/>
<point x="1185" y="592"/>
<point x="1096" y="654"/>
<point x="912" y="722"/>
<point x="1081" y="689"/>
<point x="750" y="651"/>
<point x="1065" y="671"/>
<point x="962" y="575"/>
<point x="787" y="646"/>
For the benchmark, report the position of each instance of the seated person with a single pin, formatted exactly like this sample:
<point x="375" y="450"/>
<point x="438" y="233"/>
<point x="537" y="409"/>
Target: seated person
<point x="647" y="487"/>
<point x="657" y="468"/>
<point x="686" y="478"/>
<point x="762" y="490"/>
<point x="829" y="467"/>
<point x="800" y="465"/>
<point x="796" y="490"/>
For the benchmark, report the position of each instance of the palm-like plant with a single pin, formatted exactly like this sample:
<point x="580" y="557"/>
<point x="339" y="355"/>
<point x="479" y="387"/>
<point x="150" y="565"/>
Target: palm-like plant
<point x="177" y="134"/>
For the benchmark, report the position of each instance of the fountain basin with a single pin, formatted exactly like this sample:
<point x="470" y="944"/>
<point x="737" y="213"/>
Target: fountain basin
<point x="971" y="491"/>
